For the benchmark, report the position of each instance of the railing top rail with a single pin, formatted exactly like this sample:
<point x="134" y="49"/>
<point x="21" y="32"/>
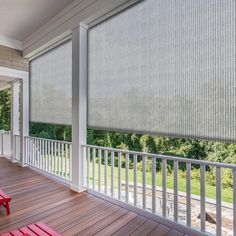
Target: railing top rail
<point x="167" y="157"/>
<point x="5" y="132"/>
<point x="50" y="140"/>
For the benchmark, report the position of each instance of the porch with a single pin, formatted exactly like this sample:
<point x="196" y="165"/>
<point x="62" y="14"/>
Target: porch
<point x="37" y="198"/>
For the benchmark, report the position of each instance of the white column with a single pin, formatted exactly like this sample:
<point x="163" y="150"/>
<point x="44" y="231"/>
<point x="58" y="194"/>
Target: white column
<point x="15" y="115"/>
<point x="79" y="107"/>
<point x="24" y="117"/>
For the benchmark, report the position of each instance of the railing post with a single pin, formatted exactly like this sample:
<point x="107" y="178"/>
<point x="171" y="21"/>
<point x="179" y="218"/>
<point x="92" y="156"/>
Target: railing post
<point x="79" y="107"/>
<point x="24" y="117"/>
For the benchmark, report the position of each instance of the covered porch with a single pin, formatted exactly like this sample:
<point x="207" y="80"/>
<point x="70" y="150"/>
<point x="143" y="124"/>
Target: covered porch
<point x="145" y="77"/>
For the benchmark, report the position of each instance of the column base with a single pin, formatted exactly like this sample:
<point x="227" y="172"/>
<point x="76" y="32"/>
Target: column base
<point x="13" y="161"/>
<point x="77" y="189"/>
<point x="22" y="164"/>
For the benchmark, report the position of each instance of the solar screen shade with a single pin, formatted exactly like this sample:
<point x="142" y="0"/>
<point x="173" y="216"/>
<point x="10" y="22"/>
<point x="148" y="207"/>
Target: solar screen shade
<point x="50" y="86"/>
<point x="166" y="68"/>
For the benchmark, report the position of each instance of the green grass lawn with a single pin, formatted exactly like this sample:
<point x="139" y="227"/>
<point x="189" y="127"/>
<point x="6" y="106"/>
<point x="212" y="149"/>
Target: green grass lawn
<point x="227" y="194"/>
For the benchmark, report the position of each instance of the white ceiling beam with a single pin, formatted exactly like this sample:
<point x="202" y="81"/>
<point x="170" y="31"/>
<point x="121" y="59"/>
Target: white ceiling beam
<point x="10" y="42"/>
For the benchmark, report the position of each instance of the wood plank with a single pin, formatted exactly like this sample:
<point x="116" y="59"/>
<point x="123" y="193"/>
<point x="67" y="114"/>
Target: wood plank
<point x="93" y="229"/>
<point x="145" y="229"/>
<point x="131" y="226"/>
<point x="35" y="198"/>
<point x="160" y="230"/>
<point x="115" y="226"/>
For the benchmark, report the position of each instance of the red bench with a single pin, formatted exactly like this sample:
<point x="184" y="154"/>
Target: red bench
<point x="4" y="201"/>
<point x="38" y="229"/>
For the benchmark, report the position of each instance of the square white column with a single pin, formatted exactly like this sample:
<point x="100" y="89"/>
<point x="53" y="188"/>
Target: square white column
<point x="24" y="117"/>
<point x="79" y="107"/>
<point x="15" y="116"/>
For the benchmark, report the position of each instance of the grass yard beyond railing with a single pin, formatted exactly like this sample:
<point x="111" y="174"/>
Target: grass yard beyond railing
<point x="227" y="193"/>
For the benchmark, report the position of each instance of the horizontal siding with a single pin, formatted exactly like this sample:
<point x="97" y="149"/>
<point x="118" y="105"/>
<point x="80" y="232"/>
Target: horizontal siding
<point x="13" y="59"/>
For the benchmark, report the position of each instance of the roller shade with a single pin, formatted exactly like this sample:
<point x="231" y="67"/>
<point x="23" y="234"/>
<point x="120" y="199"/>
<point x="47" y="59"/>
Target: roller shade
<point x="50" y="86"/>
<point x="166" y="68"/>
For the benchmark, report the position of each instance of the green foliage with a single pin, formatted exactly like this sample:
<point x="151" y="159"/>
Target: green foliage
<point x="195" y="149"/>
<point x="5" y="109"/>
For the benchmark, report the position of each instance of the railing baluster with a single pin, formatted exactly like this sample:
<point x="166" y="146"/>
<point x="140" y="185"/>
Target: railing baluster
<point x="164" y="188"/>
<point x="94" y="156"/>
<point x="59" y="158"/>
<point x="55" y="158"/>
<point x="203" y="197"/>
<point x="28" y="150"/>
<point x="176" y="208"/>
<point x="127" y="177"/>
<point x="144" y="181"/>
<point x="105" y="168"/>
<point x="188" y="194"/>
<point x="35" y="153"/>
<point x="66" y="161"/>
<point x="234" y="201"/>
<point x="62" y="161"/>
<point x="135" y="179"/>
<point x="51" y="154"/>
<point x="119" y="175"/>
<point x="46" y="155"/>
<point x="40" y="154"/>
<point x="31" y="152"/>
<point x="88" y="167"/>
<point x="84" y="169"/>
<point x="153" y="185"/>
<point x="48" y="160"/>
<point x="99" y="169"/>
<point x="70" y="161"/>
<point x="112" y="174"/>
<point x="43" y="156"/>
<point x="218" y="201"/>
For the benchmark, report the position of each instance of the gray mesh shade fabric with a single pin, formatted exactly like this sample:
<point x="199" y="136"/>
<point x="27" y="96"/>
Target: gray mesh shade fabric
<point x="50" y="86"/>
<point x="167" y="68"/>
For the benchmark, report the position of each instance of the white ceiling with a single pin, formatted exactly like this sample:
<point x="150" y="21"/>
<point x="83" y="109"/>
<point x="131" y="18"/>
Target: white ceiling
<point x="20" y="18"/>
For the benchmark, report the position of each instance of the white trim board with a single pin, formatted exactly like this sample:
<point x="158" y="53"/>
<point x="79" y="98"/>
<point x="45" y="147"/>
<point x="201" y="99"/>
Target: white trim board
<point x="69" y="19"/>
<point x="18" y="74"/>
<point x="10" y="42"/>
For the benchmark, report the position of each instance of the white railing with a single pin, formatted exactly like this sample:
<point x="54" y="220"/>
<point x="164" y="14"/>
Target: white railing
<point x="110" y="172"/>
<point x="50" y="156"/>
<point x="5" y="143"/>
<point x="122" y="182"/>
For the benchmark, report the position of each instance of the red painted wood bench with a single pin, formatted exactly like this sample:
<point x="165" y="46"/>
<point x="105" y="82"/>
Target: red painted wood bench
<point x="4" y="201"/>
<point x="38" y="229"/>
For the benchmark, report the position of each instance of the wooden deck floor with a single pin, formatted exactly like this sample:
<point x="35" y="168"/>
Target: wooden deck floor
<point x="36" y="198"/>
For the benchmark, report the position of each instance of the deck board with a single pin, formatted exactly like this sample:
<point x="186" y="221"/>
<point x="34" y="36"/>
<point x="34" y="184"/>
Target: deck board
<point x="36" y="198"/>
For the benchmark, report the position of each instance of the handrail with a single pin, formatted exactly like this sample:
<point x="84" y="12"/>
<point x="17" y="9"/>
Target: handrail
<point x="166" y="157"/>
<point x="51" y="140"/>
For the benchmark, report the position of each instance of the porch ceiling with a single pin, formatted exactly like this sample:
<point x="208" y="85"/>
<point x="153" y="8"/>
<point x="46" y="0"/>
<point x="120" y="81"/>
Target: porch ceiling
<point x="22" y="18"/>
